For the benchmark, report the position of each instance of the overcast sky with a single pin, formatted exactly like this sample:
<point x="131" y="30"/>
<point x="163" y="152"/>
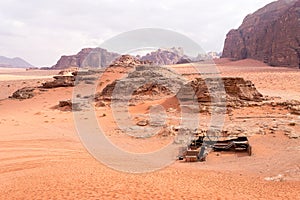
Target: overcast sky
<point x="42" y="31"/>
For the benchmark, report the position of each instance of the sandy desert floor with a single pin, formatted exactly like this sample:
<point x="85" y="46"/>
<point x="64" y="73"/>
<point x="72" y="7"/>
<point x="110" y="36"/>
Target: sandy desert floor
<point x="42" y="157"/>
<point x="12" y="79"/>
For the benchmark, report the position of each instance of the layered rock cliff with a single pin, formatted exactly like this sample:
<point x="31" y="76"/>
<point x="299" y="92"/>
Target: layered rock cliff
<point x="271" y="35"/>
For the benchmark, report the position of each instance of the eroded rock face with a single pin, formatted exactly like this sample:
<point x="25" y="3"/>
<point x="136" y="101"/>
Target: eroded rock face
<point x="88" y="57"/>
<point x="24" y="93"/>
<point x="270" y="34"/>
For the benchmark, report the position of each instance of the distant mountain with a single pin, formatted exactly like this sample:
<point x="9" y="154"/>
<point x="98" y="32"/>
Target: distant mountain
<point x="88" y="57"/>
<point x="13" y="62"/>
<point x="98" y="57"/>
<point x="164" y="56"/>
<point x="175" y="55"/>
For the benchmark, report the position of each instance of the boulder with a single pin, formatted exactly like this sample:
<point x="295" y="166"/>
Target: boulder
<point x="100" y="104"/>
<point x="142" y="123"/>
<point x="295" y="110"/>
<point x="68" y="105"/>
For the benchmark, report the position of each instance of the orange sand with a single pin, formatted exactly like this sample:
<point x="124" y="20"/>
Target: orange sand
<point x="41" y="156"/>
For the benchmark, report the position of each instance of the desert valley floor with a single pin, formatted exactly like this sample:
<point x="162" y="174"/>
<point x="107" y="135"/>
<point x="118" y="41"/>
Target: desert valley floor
<point x="42" y="157"/>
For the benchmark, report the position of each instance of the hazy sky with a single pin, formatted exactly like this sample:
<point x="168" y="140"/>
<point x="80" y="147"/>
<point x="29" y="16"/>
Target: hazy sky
<point x="40" y="31"/>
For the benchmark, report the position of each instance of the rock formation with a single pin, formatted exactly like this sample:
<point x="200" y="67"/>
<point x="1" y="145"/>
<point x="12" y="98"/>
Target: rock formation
<point x="128" y="61"/>
<point x="154" y="81"/>
<point x="271" y="35"/>
<point x="24" y="93"/>
<point x="143" y="82"/>
<point x="67" y="105"/>
<point x="88" y="57"/>
<point x="152" y="89"/>
<point x="68" y="71"/>
<point x="237" y="90"/>
<point x="184" y="60"/>
<point x="98" y="57"/>
<point x="164" y="56"/>
<point x="60" y="81"/>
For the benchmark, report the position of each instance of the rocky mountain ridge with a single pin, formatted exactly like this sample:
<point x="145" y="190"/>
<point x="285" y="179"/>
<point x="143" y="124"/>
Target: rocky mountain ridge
<point x="98" y="57"/>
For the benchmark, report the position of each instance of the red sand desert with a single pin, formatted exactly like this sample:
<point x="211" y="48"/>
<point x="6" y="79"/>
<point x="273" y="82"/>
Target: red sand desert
<point x="42" y="156"/>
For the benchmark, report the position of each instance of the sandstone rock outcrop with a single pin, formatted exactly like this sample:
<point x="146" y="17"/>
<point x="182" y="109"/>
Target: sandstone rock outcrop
<point x="143" y="82"/>
<point x="221" y="94"/>
<point x="68" y="71"/>
<point x="155" y="81"/>
<point x="237" y="89"/>
<point x="24" y="93"/>
<point x="128" y="61"/>
<point x="293" y="106"/>
<point x="271" y="35"/>
<point x="68" y="105"/>
<point x="88" y="57"/>
<point x="60" y="81"/>
<point x="152" y="89"/>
